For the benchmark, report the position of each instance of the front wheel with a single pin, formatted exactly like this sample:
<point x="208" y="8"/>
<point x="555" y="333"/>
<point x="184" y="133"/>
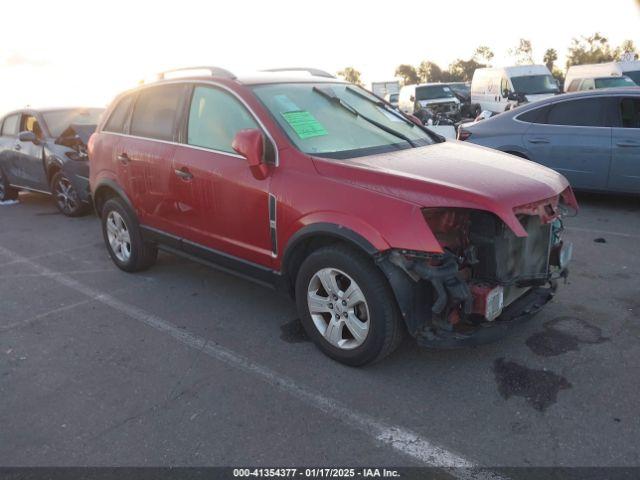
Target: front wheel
<point x="7" y="192"/>
<point x="346" y="306"/>
<point x="123" y="238"/>
<point x="66" y="196"/>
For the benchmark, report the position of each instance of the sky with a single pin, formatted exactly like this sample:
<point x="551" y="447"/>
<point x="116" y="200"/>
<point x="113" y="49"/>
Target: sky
<point x="69" y="52"/>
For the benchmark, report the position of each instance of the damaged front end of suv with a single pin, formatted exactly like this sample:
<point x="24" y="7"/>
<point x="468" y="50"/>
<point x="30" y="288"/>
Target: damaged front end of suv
<point x="486" y="277"/>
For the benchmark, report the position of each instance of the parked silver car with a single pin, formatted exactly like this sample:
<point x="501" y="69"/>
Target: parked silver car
<point x="592" y="138"/>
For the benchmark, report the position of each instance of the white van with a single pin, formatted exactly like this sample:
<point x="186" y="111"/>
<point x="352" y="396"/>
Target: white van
<point x="499" y="89"/>
<point x="437" y="97"/>
<point x="602" y="75"/>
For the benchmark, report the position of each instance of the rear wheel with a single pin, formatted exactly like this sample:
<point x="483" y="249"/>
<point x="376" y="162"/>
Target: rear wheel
<point x="123" y="238"/>
<point x="66" y="196"/>
<point x="347" y="307"/>
<point x="6" y="191"/>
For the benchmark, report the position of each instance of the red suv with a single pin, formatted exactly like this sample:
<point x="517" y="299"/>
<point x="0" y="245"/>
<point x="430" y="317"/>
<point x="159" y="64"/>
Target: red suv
<point x="319" y="188"/>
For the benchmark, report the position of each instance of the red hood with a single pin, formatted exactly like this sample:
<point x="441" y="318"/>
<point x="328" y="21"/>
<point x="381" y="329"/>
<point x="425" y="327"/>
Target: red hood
<point x="453" y="174"/>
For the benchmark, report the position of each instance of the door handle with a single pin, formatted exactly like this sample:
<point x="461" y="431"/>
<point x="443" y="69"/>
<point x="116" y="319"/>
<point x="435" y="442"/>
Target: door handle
<point x="123" y="158"/>
<point x="17" y="147"/>
<point x="628" y="144"/>
<point x="183" y="173"/>
<point x="538" y="140"/>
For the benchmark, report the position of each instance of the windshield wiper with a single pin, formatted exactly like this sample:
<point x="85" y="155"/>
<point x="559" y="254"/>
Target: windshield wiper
<point x="381" y="104"/>
<point x="387" y="108"/>
<point x="336" y="100"/>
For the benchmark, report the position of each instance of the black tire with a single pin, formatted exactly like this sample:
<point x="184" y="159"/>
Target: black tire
<point x="6" y="192"/>
<point x="65" y="196"/>
<point x="385" y="325"/>
<point x="142" y="255"/>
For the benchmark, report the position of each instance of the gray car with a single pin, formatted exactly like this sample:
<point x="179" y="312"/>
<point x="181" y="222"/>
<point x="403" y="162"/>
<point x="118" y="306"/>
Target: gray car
<point x="45" y="151"/>
<point x="592" y="138"/>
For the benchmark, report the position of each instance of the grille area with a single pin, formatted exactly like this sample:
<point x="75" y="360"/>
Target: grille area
<point x="506" y="259"/>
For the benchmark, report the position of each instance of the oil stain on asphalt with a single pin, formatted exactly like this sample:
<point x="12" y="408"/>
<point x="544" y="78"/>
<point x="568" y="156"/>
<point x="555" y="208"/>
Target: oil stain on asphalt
<point x="293" y="332"/>
<point x="539" y="388"/>
<point x="562" y="335"/>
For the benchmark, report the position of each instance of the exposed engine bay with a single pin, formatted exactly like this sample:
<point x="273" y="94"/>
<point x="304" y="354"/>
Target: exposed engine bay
<point x="483" y="270"/>
<point x="77" y="137"/>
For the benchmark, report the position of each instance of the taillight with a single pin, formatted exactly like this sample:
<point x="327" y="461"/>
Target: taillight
<point x="463" y="134"/>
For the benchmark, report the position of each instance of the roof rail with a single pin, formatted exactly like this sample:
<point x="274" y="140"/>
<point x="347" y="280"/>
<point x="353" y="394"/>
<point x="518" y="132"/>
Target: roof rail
<point x="313" y="71"/>
<point x="213" y="71"/>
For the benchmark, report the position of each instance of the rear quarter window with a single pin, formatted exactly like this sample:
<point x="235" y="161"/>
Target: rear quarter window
<point x="536" y="115"/>
<point x="119" y="116"/>
<point x="10" y="125"/>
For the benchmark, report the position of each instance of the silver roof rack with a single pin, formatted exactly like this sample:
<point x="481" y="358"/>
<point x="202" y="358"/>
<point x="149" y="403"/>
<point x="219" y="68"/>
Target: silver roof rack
<point x="213" y="71"/>
<point x="313" y="71"/>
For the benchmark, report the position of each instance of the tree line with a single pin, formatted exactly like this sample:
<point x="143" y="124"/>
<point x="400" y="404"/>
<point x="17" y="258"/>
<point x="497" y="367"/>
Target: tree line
<point x="586" y="49"/>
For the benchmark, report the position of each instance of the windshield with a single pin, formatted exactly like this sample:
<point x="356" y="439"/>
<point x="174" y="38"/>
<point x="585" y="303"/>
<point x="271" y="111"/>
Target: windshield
<point x="322" y="127"/>
<point x="634" y="75"/>
<point x="433" y="92"/>
<point x="612" y="82"/>
<point x="59" y="120"/>
<point x="534" y="84"/>
<point x="461" y="88"/>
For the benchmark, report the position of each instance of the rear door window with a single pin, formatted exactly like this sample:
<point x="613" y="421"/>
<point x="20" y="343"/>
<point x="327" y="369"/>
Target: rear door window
<point x="156" y="112"/>
<point x="588" y="112"/>
<point x="214" y="119"/>
<point x="630" y="112"/>
<point x="119" y="116"/>
<point x="10" y="125"/>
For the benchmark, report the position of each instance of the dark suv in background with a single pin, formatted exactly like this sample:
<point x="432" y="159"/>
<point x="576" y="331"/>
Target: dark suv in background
<point x="45" y="151"/>
<point x="315" y="186"/>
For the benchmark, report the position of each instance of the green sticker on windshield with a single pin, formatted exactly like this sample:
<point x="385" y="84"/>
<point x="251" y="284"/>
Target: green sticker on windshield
<point x="304" y="124"/>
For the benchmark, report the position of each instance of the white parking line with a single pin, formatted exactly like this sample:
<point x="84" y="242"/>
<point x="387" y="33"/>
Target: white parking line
<point x="48" y="254"/>
<point x="403" y="440"/>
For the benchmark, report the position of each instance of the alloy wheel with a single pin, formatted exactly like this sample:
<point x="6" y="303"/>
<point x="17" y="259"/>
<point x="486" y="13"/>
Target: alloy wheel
<point x="66" y="195"/>
<point x="118" y="235"/>
<point x="338" y="308"/>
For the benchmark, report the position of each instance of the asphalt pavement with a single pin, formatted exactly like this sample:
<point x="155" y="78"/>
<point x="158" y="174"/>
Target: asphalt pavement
<point x="183" y="365"/>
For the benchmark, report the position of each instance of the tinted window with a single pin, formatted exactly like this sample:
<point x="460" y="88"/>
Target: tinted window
<point x="537" y="115"/>
<point x="214" y="119"/>
<point x="156" y="112"/>
<point x="10" y="126"/>
<point x="119" y="116"/>
<point x="630" y="112"/>
<point x="589" y="112"/>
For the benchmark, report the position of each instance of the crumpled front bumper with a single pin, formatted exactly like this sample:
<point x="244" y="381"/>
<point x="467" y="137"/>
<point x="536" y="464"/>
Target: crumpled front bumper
<point x="513" y="315"/>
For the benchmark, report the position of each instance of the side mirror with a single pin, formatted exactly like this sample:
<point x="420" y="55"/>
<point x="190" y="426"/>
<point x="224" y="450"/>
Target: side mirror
<point x="412" y="98"/>
<point x="250" y="144"/>
<point x="28" y="137"/>
<point x="513" y="96"/>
